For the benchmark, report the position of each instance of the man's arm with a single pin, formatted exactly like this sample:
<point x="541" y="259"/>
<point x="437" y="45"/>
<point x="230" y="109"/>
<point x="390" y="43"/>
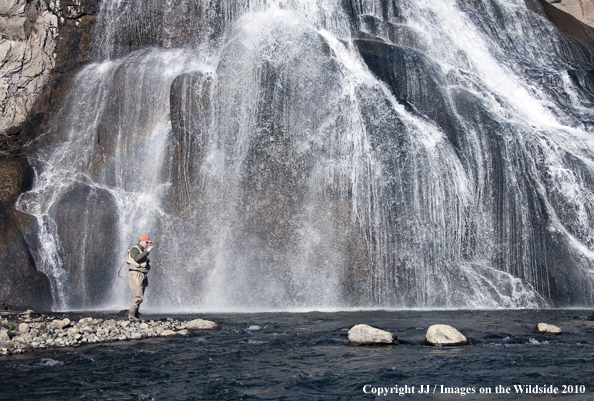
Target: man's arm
<point x="138" y="256"/>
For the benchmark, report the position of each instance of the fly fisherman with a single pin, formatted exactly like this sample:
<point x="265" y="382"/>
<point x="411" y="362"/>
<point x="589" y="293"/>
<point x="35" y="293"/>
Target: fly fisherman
<point x="138" y="268"/>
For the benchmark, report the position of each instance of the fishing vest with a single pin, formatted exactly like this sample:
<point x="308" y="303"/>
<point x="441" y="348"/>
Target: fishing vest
<point x="135" y="265"/>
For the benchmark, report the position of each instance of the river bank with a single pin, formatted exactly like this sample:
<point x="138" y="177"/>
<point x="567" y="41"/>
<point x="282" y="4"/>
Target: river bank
<point x="29" y="330"/>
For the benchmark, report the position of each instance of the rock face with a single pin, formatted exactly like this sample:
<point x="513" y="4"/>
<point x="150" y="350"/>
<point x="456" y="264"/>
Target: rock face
<point x="21" y="285"/>
<point x="294" y="172"/>
<point x="548" y="328"/>
<point x="41" y="41"/>
<point x="16" y="176"/>
<point x="87" y="260"/>
<point x="362" y="334"/>
<point x="29" y="30"/>
<point x="442" y="334"/>
<point x="581" y="9"/>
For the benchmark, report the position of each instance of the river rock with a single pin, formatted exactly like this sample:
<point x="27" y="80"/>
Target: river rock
<point x="200" y="324"/>
<point x="442" y="334"/>
<point x="23" y="328"/>
<point x="547" y="328"/>
<point x="60" y="324"/>
<point x="362" y="334"/>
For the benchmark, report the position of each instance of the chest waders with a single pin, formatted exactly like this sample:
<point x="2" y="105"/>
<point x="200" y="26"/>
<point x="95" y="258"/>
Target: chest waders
<point x="135" y="266"/>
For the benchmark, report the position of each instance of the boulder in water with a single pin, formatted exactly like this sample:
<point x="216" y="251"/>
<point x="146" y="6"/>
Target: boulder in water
<point x="362" y="334"/>
<point x="547" y="328"/>
<point x="442" y="334"/>
<point x="200" y="324"/>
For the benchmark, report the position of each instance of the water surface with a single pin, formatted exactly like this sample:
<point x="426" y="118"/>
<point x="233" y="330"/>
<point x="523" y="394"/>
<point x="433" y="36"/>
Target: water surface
<point x="298" y="356"/>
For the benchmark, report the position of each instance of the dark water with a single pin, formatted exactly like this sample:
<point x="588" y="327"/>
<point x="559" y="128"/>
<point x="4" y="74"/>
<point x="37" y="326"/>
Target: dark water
<point x="299" y="356"/>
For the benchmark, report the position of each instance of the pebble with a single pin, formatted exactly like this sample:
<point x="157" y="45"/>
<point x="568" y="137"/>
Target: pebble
<point x="22" y="333"/>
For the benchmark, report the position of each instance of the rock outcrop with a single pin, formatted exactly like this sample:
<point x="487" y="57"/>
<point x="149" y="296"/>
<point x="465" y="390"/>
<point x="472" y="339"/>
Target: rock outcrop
<point x="29" y="31"/>
<point x="21" y="285"/>
<point x="42" y="42"/>
<point x="583" y="10"/>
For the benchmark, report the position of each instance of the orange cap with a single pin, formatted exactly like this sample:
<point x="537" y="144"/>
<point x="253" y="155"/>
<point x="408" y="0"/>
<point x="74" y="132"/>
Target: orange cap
<point x="144" y="238"/>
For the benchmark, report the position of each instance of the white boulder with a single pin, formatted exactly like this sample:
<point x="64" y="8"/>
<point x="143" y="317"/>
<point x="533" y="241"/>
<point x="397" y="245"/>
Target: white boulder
<point x="23" y="328"/>
<point x="362" y="334"/>
<point x="548" y="328"/>
<point x="60" y="324"/>
<point x="200" y="324"/>
<point x="442" y="334"/>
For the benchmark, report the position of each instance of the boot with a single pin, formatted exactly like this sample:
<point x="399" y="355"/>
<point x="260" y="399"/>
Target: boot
<point x="137" y="316"/>
<point x="132" y="314"/>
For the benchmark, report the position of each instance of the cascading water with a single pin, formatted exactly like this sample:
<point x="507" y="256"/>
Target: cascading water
<point x="334" y="153"/>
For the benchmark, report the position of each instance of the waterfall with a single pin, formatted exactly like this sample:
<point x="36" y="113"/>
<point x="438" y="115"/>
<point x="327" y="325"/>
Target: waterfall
<point x="325" y="154"/>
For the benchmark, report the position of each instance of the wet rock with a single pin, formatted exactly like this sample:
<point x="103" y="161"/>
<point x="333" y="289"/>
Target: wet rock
<point x="442" y="334"/>
<point x="200" y="324"/>
<point x="92" y="280"/>
<point x="362" y="334"/>
<point x="16" y="176"/>
<point x="21" y="285"/>
<point x="547" y="328"/>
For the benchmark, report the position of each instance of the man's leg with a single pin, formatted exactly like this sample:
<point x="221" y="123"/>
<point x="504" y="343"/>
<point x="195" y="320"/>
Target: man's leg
<point x="135" y="279"/>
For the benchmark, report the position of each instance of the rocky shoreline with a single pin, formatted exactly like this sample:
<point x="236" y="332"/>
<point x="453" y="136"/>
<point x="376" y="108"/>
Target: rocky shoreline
<point x="29" y="330"/>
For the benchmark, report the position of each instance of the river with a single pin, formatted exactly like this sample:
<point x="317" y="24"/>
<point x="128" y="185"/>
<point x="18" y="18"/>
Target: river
<point x="297" y="356"/>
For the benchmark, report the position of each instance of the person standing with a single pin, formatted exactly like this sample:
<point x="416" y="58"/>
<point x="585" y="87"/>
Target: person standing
<point x="138" y="268"/>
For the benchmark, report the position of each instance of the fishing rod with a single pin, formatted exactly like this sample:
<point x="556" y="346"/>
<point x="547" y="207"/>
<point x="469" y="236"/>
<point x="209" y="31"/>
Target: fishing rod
<point x="174" y="220"/>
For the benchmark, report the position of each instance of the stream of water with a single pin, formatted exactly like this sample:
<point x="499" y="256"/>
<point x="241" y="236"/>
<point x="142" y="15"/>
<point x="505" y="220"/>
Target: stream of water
<point x="306" y="356"/>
